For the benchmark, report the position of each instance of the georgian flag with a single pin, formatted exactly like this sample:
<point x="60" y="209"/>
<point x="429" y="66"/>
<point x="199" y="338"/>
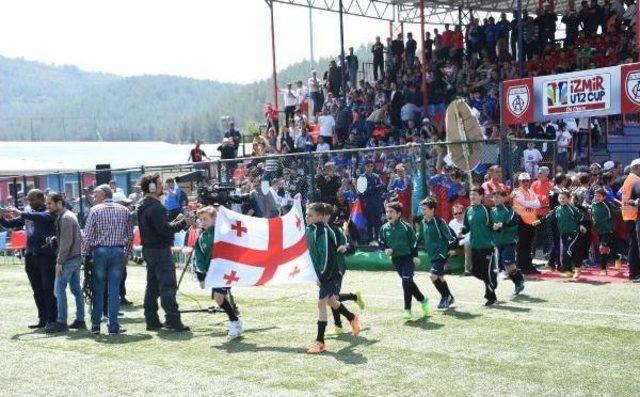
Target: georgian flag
<point x="250" y="251"/>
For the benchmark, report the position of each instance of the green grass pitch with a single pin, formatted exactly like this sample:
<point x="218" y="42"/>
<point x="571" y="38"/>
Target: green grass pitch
<point x="559" y="339"/>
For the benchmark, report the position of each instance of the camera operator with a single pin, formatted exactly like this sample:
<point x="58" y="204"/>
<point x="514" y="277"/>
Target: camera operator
<point x="108" y="235"/>
<point x="157" y="238"/>
<point x="69" y="241"/>
<point x="40" y="257"/>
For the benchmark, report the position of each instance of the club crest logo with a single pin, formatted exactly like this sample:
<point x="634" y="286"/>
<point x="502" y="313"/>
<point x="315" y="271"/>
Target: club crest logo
<point x="518" y="98"/>
<point x="632" y="86"/>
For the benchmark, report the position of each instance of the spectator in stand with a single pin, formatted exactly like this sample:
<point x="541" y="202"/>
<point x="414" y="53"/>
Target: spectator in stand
<point x="490" y="38"/>
<point x="328" y="183"/>
<point x="333" y="78"/>
<point x="530" y="36"/>
<point x="352" y="67"/>
<point x="315" y="92"/>
<point x="548" y="26"/>
<point x="378" y="58"/>
<point x="457" y="46"/>
<point x="397" y="50"/>
<point x="235" y="137"/>
<point x="513" y="27"/>
<point x="437" y="45"/>
<point x="629" y="15"/>
<point x="323" y="145"/>
<point x="428" y="46"/>
<point x="502" y="34"/>
<point x="593" y="18"/>
<point x="447" y="42"/>
<point x="410" y="50"/>
<point x="572" y="21"/>
<point x="401" y="187"/>
<point x="302" y="96"/>
<point x="327" y="125"/>
<point x="196" y="155"/>
<point x="290" y="103"/>
<point x="564" y="143"/>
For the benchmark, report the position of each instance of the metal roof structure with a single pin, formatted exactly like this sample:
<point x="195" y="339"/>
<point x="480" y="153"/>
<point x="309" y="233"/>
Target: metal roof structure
<point x="437" y="12"/>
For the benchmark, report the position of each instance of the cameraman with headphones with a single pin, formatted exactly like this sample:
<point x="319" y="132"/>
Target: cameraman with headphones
<point x="157" y="235"/>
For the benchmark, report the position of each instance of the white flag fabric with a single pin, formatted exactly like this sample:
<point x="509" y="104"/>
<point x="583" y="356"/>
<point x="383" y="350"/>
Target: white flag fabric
<point x="250" y="251"/>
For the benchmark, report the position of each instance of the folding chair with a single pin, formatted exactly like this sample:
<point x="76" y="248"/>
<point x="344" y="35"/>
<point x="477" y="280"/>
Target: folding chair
<point x="17" y="242"/>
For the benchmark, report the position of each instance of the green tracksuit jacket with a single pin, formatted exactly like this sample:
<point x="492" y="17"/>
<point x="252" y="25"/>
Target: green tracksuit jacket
<point x="322" y="249"/>
<point x="400" y="237"/>
<point x="436" y="237"/>
<point x="508" y="234"/>
<point x="567" y="217"/>
<point x="478" y="223"/>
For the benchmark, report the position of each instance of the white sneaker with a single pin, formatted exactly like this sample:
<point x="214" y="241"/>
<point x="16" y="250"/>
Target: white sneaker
<point x="235" y="329"/>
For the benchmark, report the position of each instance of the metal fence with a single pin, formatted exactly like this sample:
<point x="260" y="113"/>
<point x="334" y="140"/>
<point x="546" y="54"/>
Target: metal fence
<point x="315" y="175"/>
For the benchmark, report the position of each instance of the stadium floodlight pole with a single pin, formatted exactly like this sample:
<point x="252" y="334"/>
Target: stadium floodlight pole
<point x="273" y="55"/>
<point x="425" y="84"/>
<point x="520" y="39"/>
<point x="311" y="58"/>
<point x="343" y="69"/>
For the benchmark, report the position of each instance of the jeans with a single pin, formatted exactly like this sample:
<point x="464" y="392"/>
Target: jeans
<point x="316" y="98"/>
<point x="107" y="273"/>
<point x="41" y="271"/>
<point x="161" y="283"/>
<point x="70" y="275"/>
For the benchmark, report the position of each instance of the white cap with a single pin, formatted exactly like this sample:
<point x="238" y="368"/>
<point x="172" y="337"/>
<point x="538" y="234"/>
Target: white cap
<point x="634" y="163"/>
<point x="524" y="176"/>
<point x="608" y="165"/>
<point x="425" y="120"/>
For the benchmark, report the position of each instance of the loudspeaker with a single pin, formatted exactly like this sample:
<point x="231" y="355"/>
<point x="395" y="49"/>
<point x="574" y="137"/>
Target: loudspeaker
<point x="103" y="174"/>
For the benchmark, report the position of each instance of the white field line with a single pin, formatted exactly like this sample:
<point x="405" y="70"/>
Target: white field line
<point x="545" y="309"/>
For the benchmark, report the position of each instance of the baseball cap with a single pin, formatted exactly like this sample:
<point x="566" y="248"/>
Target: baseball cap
<point x="524" y="176"/>
<point x="608" y="165"/>
<point x="635" y="162"/>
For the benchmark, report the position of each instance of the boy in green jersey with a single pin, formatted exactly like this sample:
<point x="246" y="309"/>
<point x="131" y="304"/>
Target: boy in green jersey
<point x="344" y="248"/>
<point x="478" y="223"/>
<point x="505" y="237"/>
<point x="571" y="223"/>
<point x="602" y="214"/>
<point x="201" y="261"/>
<point x="398" y="239"/>
<point x="437" y="238"/>
<point x="323" y="247"/>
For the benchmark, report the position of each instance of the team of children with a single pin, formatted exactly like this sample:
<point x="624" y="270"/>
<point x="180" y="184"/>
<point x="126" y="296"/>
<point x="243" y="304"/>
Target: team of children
<point x="492" y="233"/>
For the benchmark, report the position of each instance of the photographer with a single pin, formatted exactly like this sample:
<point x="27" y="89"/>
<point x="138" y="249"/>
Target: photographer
<point x="40" y="257"/>
<point x="68" y="240"/>
<point x="157" y="238"/>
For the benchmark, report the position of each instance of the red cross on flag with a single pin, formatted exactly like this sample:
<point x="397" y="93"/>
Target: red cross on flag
<point x="250" y="251"/>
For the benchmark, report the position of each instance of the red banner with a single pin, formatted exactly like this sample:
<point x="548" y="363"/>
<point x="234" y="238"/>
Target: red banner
<point x="630" y="87"/>
<point x="517" y="101"/>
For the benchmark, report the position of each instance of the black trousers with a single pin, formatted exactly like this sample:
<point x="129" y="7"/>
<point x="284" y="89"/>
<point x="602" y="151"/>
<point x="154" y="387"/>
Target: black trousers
<point x="378" y="63"/>
<point x="41" y="271"/>
<point x="634" y="249"/>
<point x="525" y="245"/>
<point x="483" y="267"/>
<point x="161" y="283"/>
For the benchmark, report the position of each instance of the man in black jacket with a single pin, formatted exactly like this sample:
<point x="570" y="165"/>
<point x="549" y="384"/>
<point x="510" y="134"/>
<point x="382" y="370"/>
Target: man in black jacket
<point x="157" y="236"/>
<point x="40" y="257"/>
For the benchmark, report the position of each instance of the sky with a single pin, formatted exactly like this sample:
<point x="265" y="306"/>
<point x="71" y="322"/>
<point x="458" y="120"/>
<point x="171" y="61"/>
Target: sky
<point x="224" y="40"/>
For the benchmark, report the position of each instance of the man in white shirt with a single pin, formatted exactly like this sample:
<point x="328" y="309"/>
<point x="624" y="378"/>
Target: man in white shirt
<point x="327" y="126"/>
<point x="563" y="139"/>
<point x="315" y="92"/>
<point x="290" y="102"/>
<point x="532" y="157"/>
<point x="302" y="96"/>
<point x="322" y="146"/>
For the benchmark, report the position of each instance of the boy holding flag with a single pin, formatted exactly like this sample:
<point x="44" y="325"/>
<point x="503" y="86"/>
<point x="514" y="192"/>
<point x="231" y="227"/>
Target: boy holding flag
<point x="202" y="259"/>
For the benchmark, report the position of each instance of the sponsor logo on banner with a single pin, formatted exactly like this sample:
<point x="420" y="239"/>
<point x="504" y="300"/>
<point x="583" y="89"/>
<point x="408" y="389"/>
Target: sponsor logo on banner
<point x="632" y="86"/>
<point x="518" y="100"/>
<point x="577" y="94"/>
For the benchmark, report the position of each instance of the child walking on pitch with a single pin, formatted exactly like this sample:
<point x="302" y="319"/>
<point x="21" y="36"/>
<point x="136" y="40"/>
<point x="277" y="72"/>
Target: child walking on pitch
<point x="570" y="221"/>
<point x="323" y="248"/>
<point x="202" y="259"/>
<point x="436" y="236"/>
<point x="399" y="241"/>
<point x="477" y="222"/>
<point x="602" y="215"/>
<point x="505" y="237"/>
<point x="344" y="248"/>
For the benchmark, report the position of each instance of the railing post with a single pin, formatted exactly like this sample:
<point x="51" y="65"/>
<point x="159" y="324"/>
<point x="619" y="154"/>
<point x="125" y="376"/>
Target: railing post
<point x="423" y="164"/>
<point x="80" y="196"/>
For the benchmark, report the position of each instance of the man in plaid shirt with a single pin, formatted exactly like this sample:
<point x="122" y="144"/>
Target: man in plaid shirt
<point x="108" y="235"/>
